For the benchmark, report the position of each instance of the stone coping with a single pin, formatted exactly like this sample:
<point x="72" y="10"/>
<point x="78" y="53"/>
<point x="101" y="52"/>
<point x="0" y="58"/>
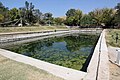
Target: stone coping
<point x="31" y="32"/>
<point x="22" y="36"/>
<point x="19" y="37"/>
<point x="98" y="68"/>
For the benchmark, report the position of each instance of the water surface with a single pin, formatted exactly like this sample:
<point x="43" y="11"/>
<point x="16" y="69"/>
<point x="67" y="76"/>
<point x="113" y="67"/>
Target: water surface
<point x="69" y="51"/>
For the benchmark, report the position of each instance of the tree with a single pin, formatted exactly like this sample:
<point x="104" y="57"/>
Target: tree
<point x="108" y="17"/>
<point x="1" y="18"/>
<point x="30" y="14"/>
<point x="58" y="21"/>
<point x="48" y="18"/>
<point x="4" y="12"/>
<point x="73" y="17"/>
<point x="37" y="15"/>
<point x="70" y="12"/>
<point x="14" y="14"/>
<point x="103" y="17"/>
<point x="117" y="15"/>
<point x="48" y="15"/>
<point x="96" y="16"/>
<point x="27" y="12"/>
<point x="86" y="20"/>
<point x="78" y="16"/>
<point x="26" y="9"/>
<point x="70" y="21"/>
<point x="26" y="5"/>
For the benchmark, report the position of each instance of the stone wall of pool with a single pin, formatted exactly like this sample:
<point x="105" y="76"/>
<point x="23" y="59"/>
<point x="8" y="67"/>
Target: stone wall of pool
<point x="98" y="68"/>
<point x="12" y="37"/>
<point x="95" y="71"/>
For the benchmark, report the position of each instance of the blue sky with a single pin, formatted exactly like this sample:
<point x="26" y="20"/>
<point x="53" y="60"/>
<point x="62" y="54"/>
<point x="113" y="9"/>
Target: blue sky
<point x="59" y="7"/>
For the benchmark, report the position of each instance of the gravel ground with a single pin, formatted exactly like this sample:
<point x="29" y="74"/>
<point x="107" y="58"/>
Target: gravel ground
<point x="12" y="70"/>
<point x="114" y="69"/>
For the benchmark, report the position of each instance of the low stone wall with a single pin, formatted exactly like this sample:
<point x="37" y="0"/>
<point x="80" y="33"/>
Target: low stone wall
<point x="12" y="37"/>
<point x="98" y="68"/>
<point x="4" y="38"/>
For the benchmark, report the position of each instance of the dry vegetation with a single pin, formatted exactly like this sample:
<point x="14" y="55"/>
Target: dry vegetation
<point x="12" y="70"/>
<point x="114" y="71"/>
<point x="31" y="28"/>
<point x="111" y="37"/>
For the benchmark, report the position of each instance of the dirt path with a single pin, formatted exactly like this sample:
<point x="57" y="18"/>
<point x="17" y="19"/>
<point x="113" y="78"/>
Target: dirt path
<point x="114" y="69"/>
<point x="12" y="70"/>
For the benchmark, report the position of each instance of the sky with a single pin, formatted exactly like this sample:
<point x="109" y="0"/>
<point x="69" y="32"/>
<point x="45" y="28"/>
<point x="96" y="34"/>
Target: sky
<point x="60" y="7"/>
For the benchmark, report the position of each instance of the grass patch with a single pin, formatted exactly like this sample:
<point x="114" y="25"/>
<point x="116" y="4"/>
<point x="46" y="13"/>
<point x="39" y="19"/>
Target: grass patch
<point x="31" y="28"/>
<point x="111" y="37"/>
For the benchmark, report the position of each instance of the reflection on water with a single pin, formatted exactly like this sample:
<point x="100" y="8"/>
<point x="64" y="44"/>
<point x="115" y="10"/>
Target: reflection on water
<point x="70" y="51"/>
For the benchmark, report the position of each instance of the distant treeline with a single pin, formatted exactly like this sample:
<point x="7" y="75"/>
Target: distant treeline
<point x="106" y="17"/>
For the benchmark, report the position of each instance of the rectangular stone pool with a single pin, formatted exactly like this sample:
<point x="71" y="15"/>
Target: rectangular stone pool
<point x="69" y="50"/>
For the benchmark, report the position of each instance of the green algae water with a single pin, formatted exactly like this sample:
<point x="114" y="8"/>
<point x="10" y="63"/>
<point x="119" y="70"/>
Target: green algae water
<point x="69" y="51"/>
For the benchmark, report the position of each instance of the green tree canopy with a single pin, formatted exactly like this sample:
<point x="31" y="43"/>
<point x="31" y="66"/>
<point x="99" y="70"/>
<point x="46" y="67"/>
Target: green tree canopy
<point x="70" y="12"/>
<point x="4" y="12"/>
<point x="86" y="21"/>
<point x="48" y="18"/>
<point x="73" y="17"/>
<point x="14" y="13"/>
<point x="102" y="17"/>
<point x="48" y="15"/>
<point x="107" y="17"/>
<point x="59" y="21"/>
<point x="1" y="17"/>
<point x="117" y="16"/>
